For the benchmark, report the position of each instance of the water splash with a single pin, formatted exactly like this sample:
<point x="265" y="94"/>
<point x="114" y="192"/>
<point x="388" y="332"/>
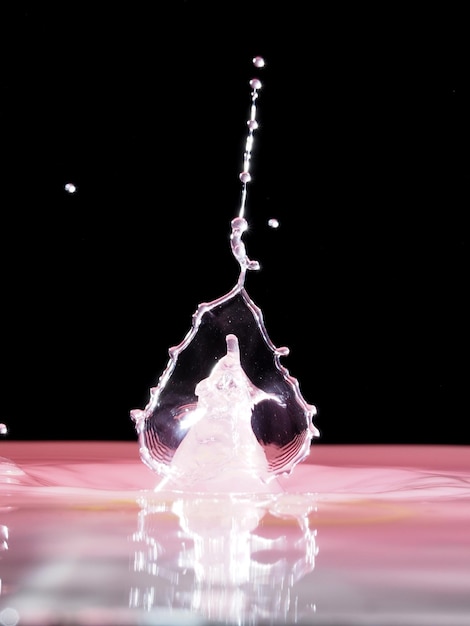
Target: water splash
<point x="191" y="430"/>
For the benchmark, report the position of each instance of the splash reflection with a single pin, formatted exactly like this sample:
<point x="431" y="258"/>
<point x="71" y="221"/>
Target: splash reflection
<point x="224" y="558"/>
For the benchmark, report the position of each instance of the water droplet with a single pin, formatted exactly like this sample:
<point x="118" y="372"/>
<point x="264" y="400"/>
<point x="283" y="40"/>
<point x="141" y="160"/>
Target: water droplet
<point x="3" y="429"/>
<point x="274" y="223"/>
<point x="258" y="62"/>
<point x="70" y="188"/>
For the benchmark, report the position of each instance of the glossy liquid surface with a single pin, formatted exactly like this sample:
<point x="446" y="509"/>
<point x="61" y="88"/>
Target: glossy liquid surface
<point x="356" y="535"/>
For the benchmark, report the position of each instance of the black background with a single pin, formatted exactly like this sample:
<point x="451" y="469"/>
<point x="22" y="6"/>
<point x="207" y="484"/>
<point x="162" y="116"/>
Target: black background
<point x="361" y="154"/>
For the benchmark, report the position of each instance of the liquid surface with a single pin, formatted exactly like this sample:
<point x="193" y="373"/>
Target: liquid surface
<point x="356" y="535"/>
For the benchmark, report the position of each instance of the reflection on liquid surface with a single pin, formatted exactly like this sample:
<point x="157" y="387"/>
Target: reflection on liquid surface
<point x="360" y="535"/>
<point x="222" y="557"/>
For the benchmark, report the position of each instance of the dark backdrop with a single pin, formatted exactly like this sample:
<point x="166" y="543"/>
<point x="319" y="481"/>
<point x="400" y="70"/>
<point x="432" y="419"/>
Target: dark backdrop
<point x="361" y="154"/>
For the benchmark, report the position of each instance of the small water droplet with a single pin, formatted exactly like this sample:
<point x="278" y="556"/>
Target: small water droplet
<point x="258" y="62"/>
<point x="274" y="223"/>
<point x="3" y="429"/>
<point x="70" y="188"/>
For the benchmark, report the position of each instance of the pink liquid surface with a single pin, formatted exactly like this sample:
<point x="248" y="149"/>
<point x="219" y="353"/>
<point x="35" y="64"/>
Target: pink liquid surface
<point x="360" y="535"/>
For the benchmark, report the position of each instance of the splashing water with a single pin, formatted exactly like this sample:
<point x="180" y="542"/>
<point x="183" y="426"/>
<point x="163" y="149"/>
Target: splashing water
<point x="226" y="415"/>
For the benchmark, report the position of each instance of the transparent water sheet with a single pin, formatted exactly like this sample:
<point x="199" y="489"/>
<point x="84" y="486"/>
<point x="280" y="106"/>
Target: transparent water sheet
<point x="228" y="411"/>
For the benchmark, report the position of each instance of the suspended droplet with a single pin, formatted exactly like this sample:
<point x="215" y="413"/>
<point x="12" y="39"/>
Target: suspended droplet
<point x="70" y="188"/>
<point x="3" y="429"/>
<point x="273" y="223"/>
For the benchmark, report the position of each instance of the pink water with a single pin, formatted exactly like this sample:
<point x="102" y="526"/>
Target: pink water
<point x="361" y="535"/>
